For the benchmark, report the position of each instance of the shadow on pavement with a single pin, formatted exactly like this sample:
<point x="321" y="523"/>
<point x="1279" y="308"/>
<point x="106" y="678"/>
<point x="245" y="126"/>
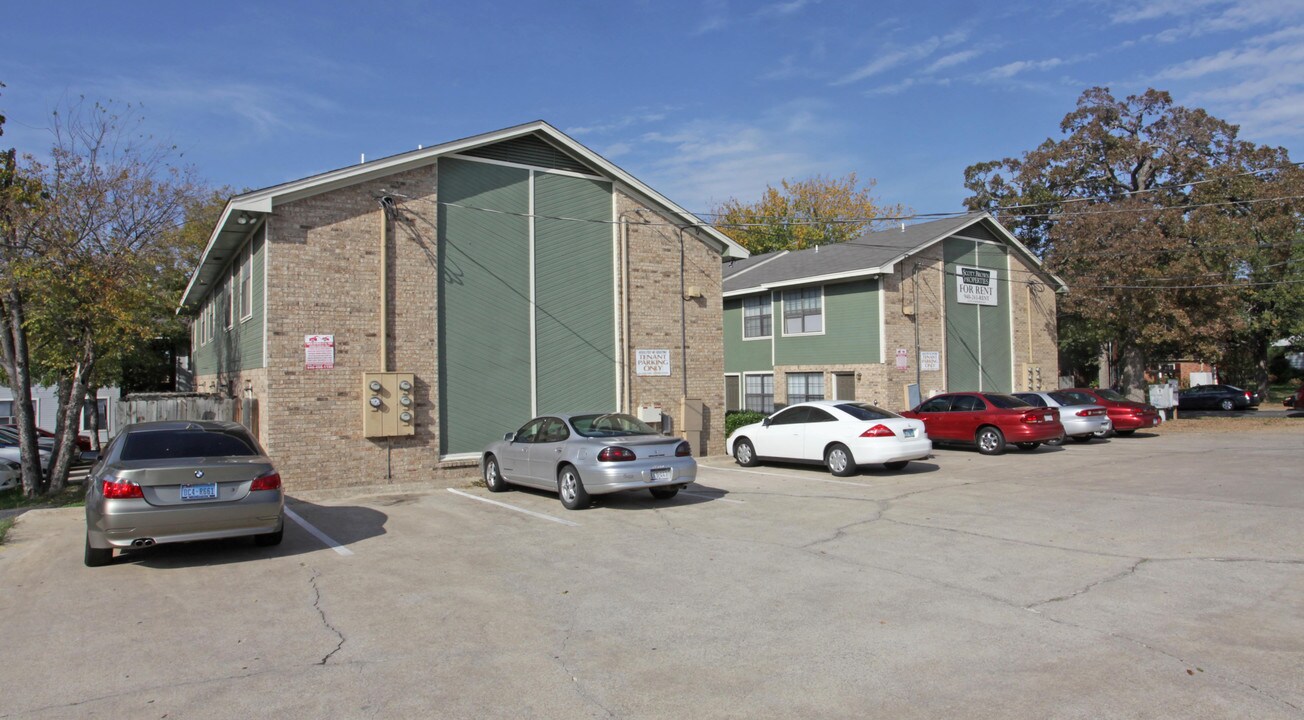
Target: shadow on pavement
<point x="344" y="524"/>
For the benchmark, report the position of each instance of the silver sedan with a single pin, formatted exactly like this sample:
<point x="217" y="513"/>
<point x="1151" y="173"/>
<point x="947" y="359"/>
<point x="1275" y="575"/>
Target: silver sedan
<point x="583" y="454"/>
<point x="178" y="481"/>
<point x="1081" y="421"/>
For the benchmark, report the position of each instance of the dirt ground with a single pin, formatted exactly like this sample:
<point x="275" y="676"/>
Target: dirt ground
<point x="1233" y="423"/>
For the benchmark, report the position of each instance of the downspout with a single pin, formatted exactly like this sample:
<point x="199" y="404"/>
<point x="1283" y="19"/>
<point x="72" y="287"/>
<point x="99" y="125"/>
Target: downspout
<point x="683" y="315"/>
<point x="625" y="380"/>
<point x="384" y="283"/>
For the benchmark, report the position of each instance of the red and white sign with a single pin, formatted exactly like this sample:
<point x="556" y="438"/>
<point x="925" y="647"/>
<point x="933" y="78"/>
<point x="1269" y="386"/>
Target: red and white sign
<point x="903" y="359"/>
<point x="318" y="352"/>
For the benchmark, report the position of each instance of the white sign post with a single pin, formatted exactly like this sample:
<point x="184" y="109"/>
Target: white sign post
<point x="975" y="286"/>
<point x="652" y="363"/>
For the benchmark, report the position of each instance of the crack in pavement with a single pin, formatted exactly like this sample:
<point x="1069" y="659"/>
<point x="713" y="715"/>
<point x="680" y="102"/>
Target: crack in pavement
<point x="575" y="681"/>
<point x="316" y="604"/>
<point x="1112" y="578"/>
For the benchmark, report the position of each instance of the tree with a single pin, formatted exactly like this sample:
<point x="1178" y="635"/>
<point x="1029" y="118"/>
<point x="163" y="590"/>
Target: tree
<point x="802" y="214"/>
<point x="83" y="276"/>
<point x="1169" y="230"/>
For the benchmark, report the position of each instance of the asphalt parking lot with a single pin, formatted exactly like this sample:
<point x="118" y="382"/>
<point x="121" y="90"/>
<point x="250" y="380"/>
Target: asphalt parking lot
<point x="1155" y="576"/>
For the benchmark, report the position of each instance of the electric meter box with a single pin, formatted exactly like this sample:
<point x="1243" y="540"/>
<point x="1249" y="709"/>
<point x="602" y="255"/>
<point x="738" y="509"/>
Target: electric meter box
<point x="650" y="413"/>
<point x="388" y="404"/>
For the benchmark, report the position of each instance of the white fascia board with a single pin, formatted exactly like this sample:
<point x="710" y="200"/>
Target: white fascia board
<point x="203" y="259"/>
<point x="811" y="280"/>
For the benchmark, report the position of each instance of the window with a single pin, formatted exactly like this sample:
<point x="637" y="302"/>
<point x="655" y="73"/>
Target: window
<point x="818" y="415"/>
<point x="554" y="431"/>
<point x="247" y="284"/>
<point x="171" y="444"/>
<point x="759" y="393"/>
<point x="941" y="403"/>
<point x="803" y="311"/>
<point x="968" y="403"/>
<point x="791" y="416"/>
<point x="804" y="387"/>
<point x="526" y="434"/>
<point x="228" y="306"/>
<point x="92" y="409"/>
<point x="7" y="412"/>
<point x="758" y="317"/>
<point x="865" y="411"/>
<point x="1005" y="402"/>
<point x="1032" y="399"/>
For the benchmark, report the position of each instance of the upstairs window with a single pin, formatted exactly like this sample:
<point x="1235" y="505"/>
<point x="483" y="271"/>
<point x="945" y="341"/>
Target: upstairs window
<point x="803" y="311"/>
<point x="247" y="284"/>
<point x="758" y="317"/>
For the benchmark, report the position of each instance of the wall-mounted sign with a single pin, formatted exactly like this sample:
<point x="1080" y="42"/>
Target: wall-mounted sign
<point x="903" y="359"/>
<point x="652" y="362"/>
<point x="318" y="352"/>
<point x="930" y="360"/>
<point x="975" y="286"/>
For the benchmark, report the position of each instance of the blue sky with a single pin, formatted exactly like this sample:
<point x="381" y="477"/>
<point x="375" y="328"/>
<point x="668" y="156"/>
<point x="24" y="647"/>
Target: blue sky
<point x="702" y="100"/>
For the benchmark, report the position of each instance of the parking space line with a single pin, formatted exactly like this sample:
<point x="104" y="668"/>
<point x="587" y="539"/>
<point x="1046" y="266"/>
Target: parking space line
<point x="513" y="507"/>
<point x="791" y="477"/>
<point x="318" y="533"/>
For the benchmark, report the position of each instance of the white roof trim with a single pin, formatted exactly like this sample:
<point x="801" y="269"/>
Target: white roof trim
<point x="265" y="200"/>
<point x="812" y="280"/>
<point x="747" y="269"/>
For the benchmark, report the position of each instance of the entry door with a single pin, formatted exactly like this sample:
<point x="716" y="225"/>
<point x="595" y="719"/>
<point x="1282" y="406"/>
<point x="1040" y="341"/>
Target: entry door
<point x="844" y="386"/>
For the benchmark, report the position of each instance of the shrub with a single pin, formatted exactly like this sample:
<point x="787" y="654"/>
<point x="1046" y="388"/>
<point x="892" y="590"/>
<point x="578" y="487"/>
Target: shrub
<point x="738" y="418"/>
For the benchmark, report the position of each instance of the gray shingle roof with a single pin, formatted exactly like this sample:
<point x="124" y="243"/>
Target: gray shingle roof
<point x="867" y="252"/>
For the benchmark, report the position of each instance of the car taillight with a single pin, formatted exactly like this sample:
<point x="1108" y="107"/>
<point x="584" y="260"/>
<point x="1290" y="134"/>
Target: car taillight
<point x="114" y="490"/>
<point x="879" y="430"/>
<point x="270" y="481"/>
<point x="684" y="450"/>
<point x="1091" y="412"/>
<point x="1247" y="396"/>
<point x="616" y="453"/>
<point x="1035" y="416"/>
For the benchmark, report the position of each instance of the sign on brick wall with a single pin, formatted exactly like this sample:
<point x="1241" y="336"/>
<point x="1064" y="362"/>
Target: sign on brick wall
<point x="318" y="352"/>
<point x="652" y="362"/>
<point x="930" y="360"/>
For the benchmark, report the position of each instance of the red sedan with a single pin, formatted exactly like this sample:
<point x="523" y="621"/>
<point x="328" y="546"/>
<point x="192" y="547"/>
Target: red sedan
<point x="1128" y="416"/>
<point x="987" y="420"/>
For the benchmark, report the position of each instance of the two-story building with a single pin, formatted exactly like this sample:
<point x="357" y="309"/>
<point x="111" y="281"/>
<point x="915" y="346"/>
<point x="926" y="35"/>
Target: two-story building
<point x="478" y="283"/>
<point x="955" y="304"/>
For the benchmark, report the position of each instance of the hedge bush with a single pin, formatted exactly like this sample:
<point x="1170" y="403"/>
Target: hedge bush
<point x="738" y="418"/>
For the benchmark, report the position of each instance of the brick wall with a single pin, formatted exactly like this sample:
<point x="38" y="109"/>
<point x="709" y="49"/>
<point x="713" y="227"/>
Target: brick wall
<point x="654" y="322"/>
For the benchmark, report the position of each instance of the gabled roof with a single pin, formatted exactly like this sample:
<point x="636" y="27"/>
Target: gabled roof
<point x="243" y="212"/>
<point x="871" y="254"/>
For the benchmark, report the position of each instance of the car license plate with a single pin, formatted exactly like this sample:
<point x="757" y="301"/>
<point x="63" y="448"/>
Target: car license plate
<point x="661" y="475"/>
<point x="1047" y="418"/>
<point x="206" y="491"/>
<point x="908" y="432"/>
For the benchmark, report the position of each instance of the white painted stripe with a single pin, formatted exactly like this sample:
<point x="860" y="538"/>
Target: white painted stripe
<point x="791" y="477"/>
<point x="318" y="534"/>
<point x="541" y="516"/>
<point x="712" y="497"/>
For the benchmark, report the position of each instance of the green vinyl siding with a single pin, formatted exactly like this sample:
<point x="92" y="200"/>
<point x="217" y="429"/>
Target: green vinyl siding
<point x="241" y="346"/>
<point x="977" y="336"/>
<point x="575" y="313"/>
<point x="533" y="151"/>
<point x="743" y="355"/>
<point x="484" y="303"/>
<point x="851" y="328"/>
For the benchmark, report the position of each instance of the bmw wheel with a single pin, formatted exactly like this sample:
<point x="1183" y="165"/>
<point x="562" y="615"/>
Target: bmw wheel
<point x="839" y="461"/>
<point x="571" y="488"/>
<point x="990" y="441"/>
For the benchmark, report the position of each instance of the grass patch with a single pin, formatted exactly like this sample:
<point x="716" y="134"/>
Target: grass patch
<point x="72" y="496"/>
<point x="4" y="528"/>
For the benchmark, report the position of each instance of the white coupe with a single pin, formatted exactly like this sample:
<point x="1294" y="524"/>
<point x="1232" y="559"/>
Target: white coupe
<point x="840" y="434"/>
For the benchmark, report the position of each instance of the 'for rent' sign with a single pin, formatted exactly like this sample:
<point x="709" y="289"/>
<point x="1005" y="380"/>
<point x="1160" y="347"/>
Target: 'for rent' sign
<point x="975" y="286"/>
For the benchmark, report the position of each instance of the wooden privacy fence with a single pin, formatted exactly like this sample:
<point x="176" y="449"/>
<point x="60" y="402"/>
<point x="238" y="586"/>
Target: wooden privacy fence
<point x="184" y="406"/>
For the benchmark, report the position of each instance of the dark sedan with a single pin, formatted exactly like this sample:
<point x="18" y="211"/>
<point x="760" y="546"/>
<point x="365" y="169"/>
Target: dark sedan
<point x="1216" y="397"/>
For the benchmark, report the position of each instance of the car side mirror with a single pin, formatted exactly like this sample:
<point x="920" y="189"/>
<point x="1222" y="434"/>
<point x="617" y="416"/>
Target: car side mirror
<point x="509" y="437"/>
<point x="765" y="422"/>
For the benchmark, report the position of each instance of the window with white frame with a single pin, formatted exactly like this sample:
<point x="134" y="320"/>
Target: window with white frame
<point x="804" y="387"/>
<point x="758" y="317"/>
<point x="228" y="303"/>
<point x="759" y="393"/>
<point x="803" y="311"/>
<point x="246" y="284"/>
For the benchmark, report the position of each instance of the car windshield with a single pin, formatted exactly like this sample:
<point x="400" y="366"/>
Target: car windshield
<point x="170" y="444"/>
<point x="610" y="425"/>
<point x="865" y="411"/>
<point x="1006" y="402"/>
<point x="1109" y="394"/>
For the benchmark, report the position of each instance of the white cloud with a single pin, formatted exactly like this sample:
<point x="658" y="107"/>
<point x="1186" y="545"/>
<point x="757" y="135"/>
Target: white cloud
<point x="784" y="8"/>
<point x="1009" y="70"/>
<point x="956" y="58"/>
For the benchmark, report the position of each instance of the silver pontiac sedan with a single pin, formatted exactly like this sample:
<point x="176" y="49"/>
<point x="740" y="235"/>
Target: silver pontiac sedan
<point x="587" y="454"/>
<point x="178" y="481"/>
<point x="1081" y="419"/>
